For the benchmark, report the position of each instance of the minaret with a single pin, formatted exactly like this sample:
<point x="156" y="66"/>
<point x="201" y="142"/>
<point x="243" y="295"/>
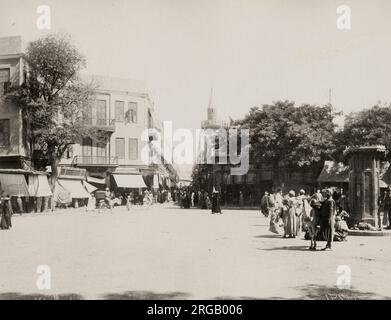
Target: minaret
<point x="212" y="112"/>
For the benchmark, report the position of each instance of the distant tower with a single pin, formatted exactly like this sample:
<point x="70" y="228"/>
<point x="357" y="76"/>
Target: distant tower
<point x="212" y="112"/>
<point x="211" y="122"/>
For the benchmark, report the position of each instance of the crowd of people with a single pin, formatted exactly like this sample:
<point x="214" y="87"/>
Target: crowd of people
<point x="292" y="214"/>
<point x="188" y="198"/>
<point x="108" y="199"/>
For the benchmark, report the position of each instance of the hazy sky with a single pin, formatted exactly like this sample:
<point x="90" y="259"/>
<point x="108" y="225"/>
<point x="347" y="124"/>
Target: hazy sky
<point x="250" y="52"/>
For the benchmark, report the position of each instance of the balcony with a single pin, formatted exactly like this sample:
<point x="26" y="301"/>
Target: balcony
<point x="99" y="161"/>
<point x="101" y="124"/>
<point x="214" y="124"/>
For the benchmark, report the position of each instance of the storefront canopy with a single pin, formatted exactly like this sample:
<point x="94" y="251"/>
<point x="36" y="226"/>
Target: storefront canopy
<point x="13" y="184"/>
<point x="90" y="188"/>
<point x="96" y="180"/>
<point x="74" y="187"/>
<point x="39" y="186"/>
<point x="61" y="195"/>
<point x="129" y="180"/>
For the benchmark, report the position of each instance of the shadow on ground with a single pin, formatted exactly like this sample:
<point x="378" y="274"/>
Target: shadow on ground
<point x="37" y="296"/>
<point x="146" y="295"/>
<point x="319" y="292"/>
<point x="269" y="236"/>
<point x="291" y="248"/>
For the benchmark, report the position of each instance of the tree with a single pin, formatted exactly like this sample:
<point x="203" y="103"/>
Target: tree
<point x="367" y="127"/>
<point x="290" y="136"/>
<point x="54" y="102"/>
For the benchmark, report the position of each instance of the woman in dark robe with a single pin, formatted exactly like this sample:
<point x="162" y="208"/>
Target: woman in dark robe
<point x="6" y="213"/>
<point x="186" y="200"/>
<point x="216" y="202"/>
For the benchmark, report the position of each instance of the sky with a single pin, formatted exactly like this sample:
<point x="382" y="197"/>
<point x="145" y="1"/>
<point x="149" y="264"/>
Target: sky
<point x="250" y="52"/>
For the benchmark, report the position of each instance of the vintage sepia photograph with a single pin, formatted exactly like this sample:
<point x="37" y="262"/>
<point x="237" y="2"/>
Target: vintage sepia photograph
<point x="191" y="150"/>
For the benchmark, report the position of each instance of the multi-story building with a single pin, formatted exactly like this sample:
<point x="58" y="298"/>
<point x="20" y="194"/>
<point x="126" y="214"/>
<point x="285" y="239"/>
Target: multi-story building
<point x="14" y="151"/>
<point x="122" y="110"/>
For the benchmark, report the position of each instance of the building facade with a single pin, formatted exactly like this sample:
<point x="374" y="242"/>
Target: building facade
<point x="14" y="150"/>
<point x="122" y="110"/>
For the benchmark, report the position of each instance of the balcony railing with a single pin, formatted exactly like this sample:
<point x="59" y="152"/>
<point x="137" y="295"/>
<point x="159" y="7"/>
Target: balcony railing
<point x="101" y="123"/>
<point x="95" y="161"/>
<point x="214" y="124"/>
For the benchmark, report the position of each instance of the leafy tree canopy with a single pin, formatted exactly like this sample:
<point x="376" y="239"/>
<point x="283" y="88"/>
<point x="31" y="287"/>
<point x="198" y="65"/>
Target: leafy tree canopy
<point x="367" y="127"/>
<point x="290" y="135"/>
<point x="54" y="102"/>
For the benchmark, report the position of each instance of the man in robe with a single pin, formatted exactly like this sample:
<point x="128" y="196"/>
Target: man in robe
<point x="6" y="213"/>
<point x="265" y="205"/>
<point x="327" y="218"/>
<point x="290" y="219"/>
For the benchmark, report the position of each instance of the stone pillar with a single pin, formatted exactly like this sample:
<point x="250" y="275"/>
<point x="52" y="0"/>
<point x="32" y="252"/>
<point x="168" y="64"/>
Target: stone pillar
<point x="364" y="166"/>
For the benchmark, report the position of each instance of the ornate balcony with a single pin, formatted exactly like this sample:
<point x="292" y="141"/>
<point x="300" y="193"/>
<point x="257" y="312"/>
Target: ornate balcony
<point x="100" y="161"/>
<point x="101" y="124"/>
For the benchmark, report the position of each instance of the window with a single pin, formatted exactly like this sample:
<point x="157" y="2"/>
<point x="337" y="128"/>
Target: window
<point x="120" y="148"/>
<point x="69" y="152"/>
<point x="87" y="147"/>
<point x="4" y="80"/>
<point x="133" y="149"/>
<point x="101" y="112"/>
<point x="119" y="111"/>
<point x="131" y="114"/>
<point x="101" y="149"/>
<point x="4" y="132"/>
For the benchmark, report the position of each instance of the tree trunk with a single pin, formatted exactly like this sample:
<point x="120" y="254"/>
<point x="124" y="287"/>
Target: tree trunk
<point x="54" y="161"/>
<point x="54" y="166"/>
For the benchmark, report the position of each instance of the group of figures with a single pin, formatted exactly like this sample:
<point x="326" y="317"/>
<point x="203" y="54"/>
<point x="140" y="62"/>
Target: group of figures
<point x="319" y="216"/>
<point x="108" y="200"/>
<point x="6" y="212"/>
<point x="188" y="198"/>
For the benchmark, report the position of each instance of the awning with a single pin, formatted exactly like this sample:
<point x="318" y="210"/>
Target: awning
<point x="129" y="180"/>
<point x="14" y="184"/>
<point x="90" y="188"/>
<point x="75" y="188"/>
<point x="61" y="195"/>
<point x="382" y="184"/>
<point x="39" y="186"/>
<point x="96" y="180"/>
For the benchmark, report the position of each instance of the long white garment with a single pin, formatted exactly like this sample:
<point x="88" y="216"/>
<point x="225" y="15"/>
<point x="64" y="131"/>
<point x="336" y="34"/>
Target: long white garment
<point x="91" y="203"/>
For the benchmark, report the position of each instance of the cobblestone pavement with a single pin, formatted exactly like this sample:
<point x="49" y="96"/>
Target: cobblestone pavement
<point x="163" y="252"/>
